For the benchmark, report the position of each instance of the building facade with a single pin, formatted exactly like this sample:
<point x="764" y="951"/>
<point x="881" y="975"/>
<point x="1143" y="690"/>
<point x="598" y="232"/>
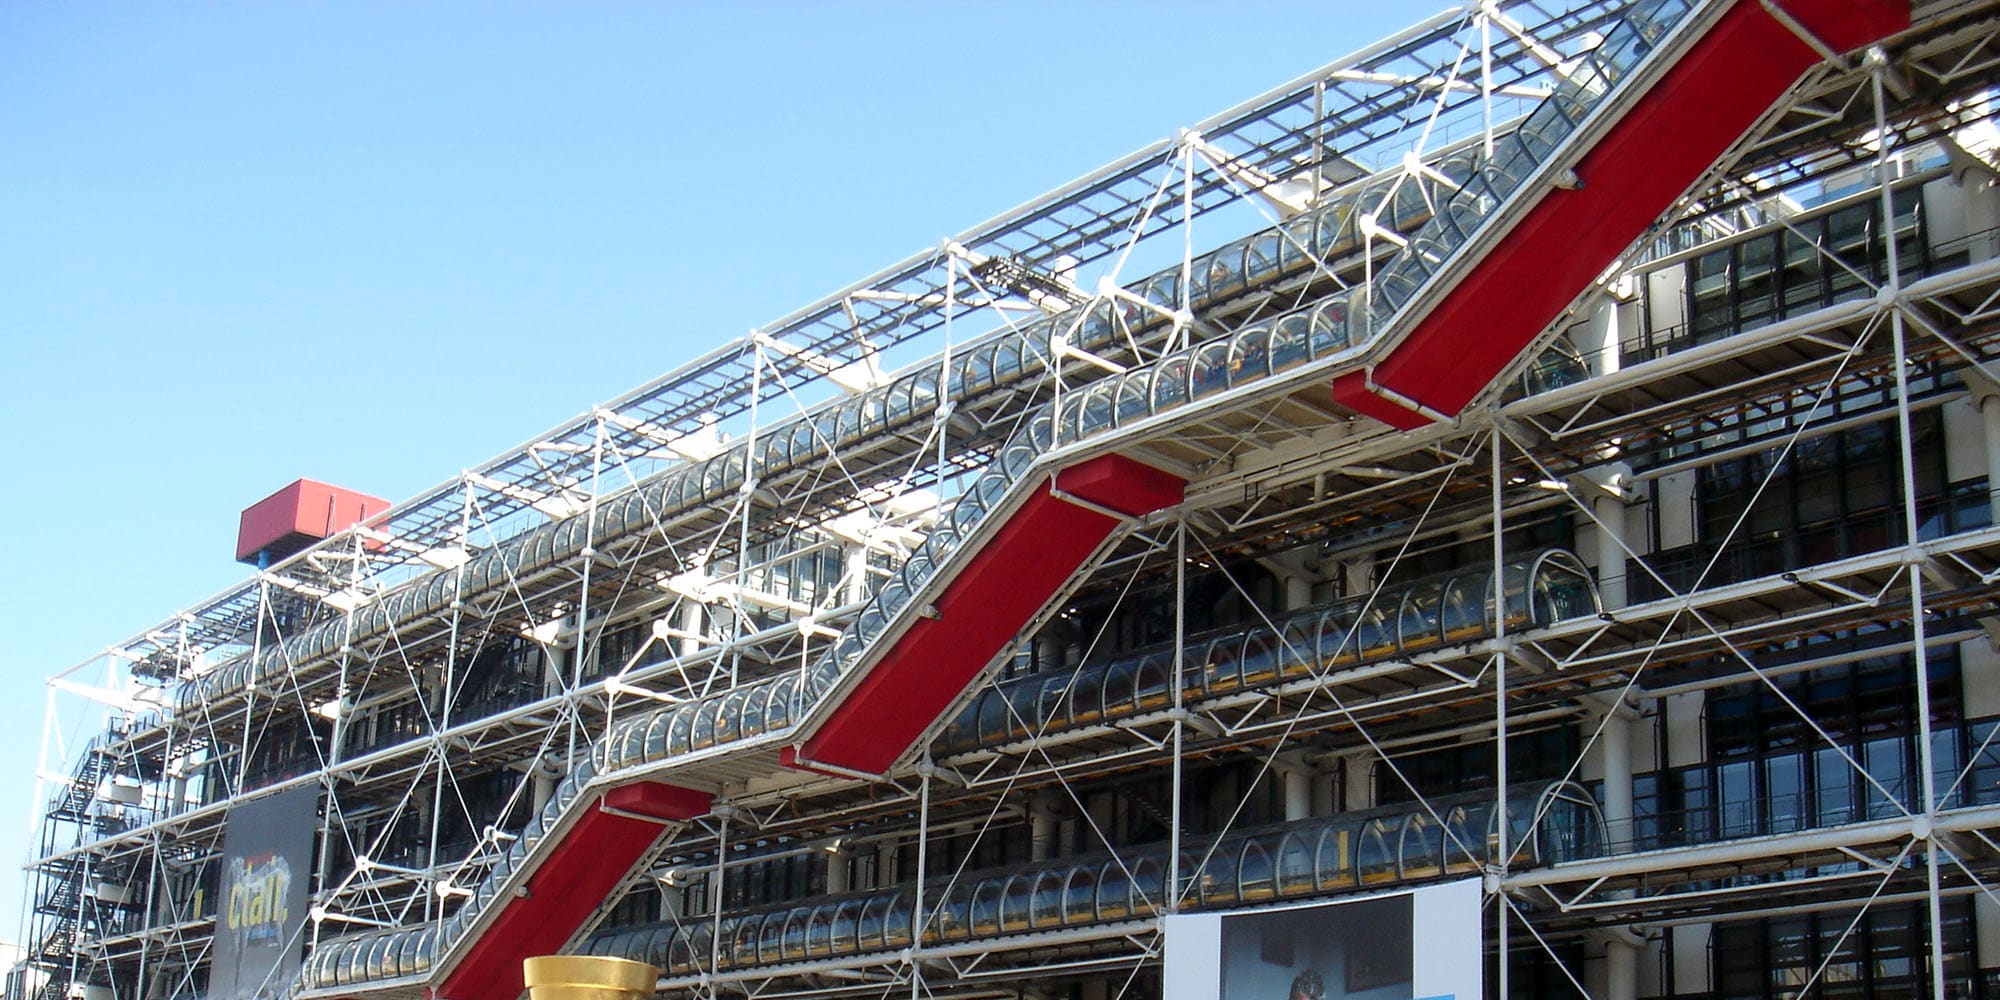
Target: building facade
<point x="1551" y="447"/>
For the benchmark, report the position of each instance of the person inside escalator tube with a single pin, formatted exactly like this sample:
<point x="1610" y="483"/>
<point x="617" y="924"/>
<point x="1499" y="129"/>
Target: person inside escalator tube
<point x="1308" y="985"/>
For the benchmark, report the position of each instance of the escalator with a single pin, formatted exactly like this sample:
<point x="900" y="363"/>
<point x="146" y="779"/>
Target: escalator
<point x="1579" y="208"/>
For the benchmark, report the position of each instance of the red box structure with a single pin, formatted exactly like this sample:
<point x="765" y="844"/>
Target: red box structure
<point x="299" y="515"/>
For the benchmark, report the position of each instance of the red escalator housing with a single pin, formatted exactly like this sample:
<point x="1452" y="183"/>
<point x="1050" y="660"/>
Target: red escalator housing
<point x="1670" y="135"/>
<point x="594" y="855"/>
<point x="993" y="597"/>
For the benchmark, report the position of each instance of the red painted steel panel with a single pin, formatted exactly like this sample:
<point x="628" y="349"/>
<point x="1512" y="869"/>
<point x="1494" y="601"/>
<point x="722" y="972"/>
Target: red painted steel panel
<point x="300" y="514"/>
<point x="1128" y="486"/>
<point x="1351" y="390"/>
<point x="593" y="857"/>
<point x="1661" y="145"/>
<point x="667" y="803"/>
<point x="1003" y="586"/>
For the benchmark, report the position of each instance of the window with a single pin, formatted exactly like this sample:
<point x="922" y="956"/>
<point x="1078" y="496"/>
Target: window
<point x="1886" y="953"/>
<point x="1533" y="757"/>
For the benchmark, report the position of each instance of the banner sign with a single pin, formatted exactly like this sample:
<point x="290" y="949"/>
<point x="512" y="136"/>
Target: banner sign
<point x="260" y="915"/>
<point x="1421" y="943"/>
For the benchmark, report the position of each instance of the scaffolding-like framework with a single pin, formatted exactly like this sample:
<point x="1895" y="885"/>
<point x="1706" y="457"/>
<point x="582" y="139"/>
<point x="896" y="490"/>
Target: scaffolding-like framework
<point x="685" y="588"/>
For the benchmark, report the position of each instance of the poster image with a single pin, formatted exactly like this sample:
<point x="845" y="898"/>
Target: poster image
<point x="1360" y="951"/>
<point x="260" y="911"/>
<point x="1421" y="944"/>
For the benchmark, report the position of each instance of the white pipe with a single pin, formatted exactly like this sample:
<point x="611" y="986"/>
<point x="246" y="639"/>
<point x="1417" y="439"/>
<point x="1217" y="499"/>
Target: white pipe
<point x="1853" y="835"/>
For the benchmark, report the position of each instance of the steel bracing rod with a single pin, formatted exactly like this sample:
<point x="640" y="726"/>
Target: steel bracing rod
<point x="1860" y="913"/>
<point x="1891" y="563"/>
<point x="1502" y="852"/>
<point x="1625" y="901"/>
<point x="1807" y="328"/>
<point x="1721" y="546"/>
<point x="1301" y="714"/>
<point x="1719" y="636"/>
<point x="1038" y="728"/>
<point x="718" y="647"/>
<point x="1800" y="332"/>
<point x="1986" y="843"/>
<point x="1506" y="905"/>
<point x="1948" y="546"/>
<point x="1173" y="889"/>
<point x="1221" y="162"/>
<point x="643" y="873"/>
<point x="1849" y="836"/>
<point x="1877" y="62"/>
<point x="1917" y="611"/>
<point x="1946" y="638"/>
<point x="572" y="723"/>
<point x="847" y="476"/>
<point x="1246" y="734"/>
<point x="454" y="734"/>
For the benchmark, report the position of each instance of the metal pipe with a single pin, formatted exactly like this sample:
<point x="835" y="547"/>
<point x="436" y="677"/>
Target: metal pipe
<point x="1852" y="835"/>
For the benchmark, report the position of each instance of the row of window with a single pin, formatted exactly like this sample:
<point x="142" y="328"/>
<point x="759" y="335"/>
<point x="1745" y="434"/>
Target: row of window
<point x="1880" y="953"/>
<point x="1809" y="264"/>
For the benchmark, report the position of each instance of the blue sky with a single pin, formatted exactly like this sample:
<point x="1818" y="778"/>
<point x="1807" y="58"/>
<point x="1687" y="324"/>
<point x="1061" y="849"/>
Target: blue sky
<point x="378" y="243"/>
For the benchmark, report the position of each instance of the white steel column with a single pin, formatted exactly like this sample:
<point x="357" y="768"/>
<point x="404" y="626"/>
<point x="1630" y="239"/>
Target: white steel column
<point x="857" y="574"/>
<point x="1180" y="694"/>
<point x="545" y="788"/>
<point x="1041" y="828"/>
<point x="555" y="667"/>
<point x="691" y="627"/>
<point x="1357" y="784"/>
<point x="837" y="870"/>
<point x="1298" y="791"/>
<point x="1926" y="812"/>
<point x="434" y="900"/>
<point x="1611" y="568"/>
<point x="1982" y="212"/>
<point x="1497" y="872"/>
<point x="1298" y="591"/>
<point x="673" y="897"/>
<point x="1605" y="335"/>
<point x="1989" y="412"/>
<point x="923" y="861"/>
<point x="1621" y="968"/>
<point x="716" y="895"/>
<point x="1614" y="758"/>
<point x="1613" y="747"/>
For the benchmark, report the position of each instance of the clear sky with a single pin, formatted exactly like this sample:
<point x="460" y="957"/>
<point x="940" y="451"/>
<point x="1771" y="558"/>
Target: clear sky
<point x="377" y="243"/>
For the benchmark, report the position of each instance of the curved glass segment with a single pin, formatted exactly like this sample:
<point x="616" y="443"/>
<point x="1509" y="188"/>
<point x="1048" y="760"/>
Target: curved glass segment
<point x="1448" y="609"/>
<point x="1300" y="860"/>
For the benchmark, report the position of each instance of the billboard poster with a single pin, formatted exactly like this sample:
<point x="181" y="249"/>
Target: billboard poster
<point x="1419" y="944"/>
<point x="260" y="914"/>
